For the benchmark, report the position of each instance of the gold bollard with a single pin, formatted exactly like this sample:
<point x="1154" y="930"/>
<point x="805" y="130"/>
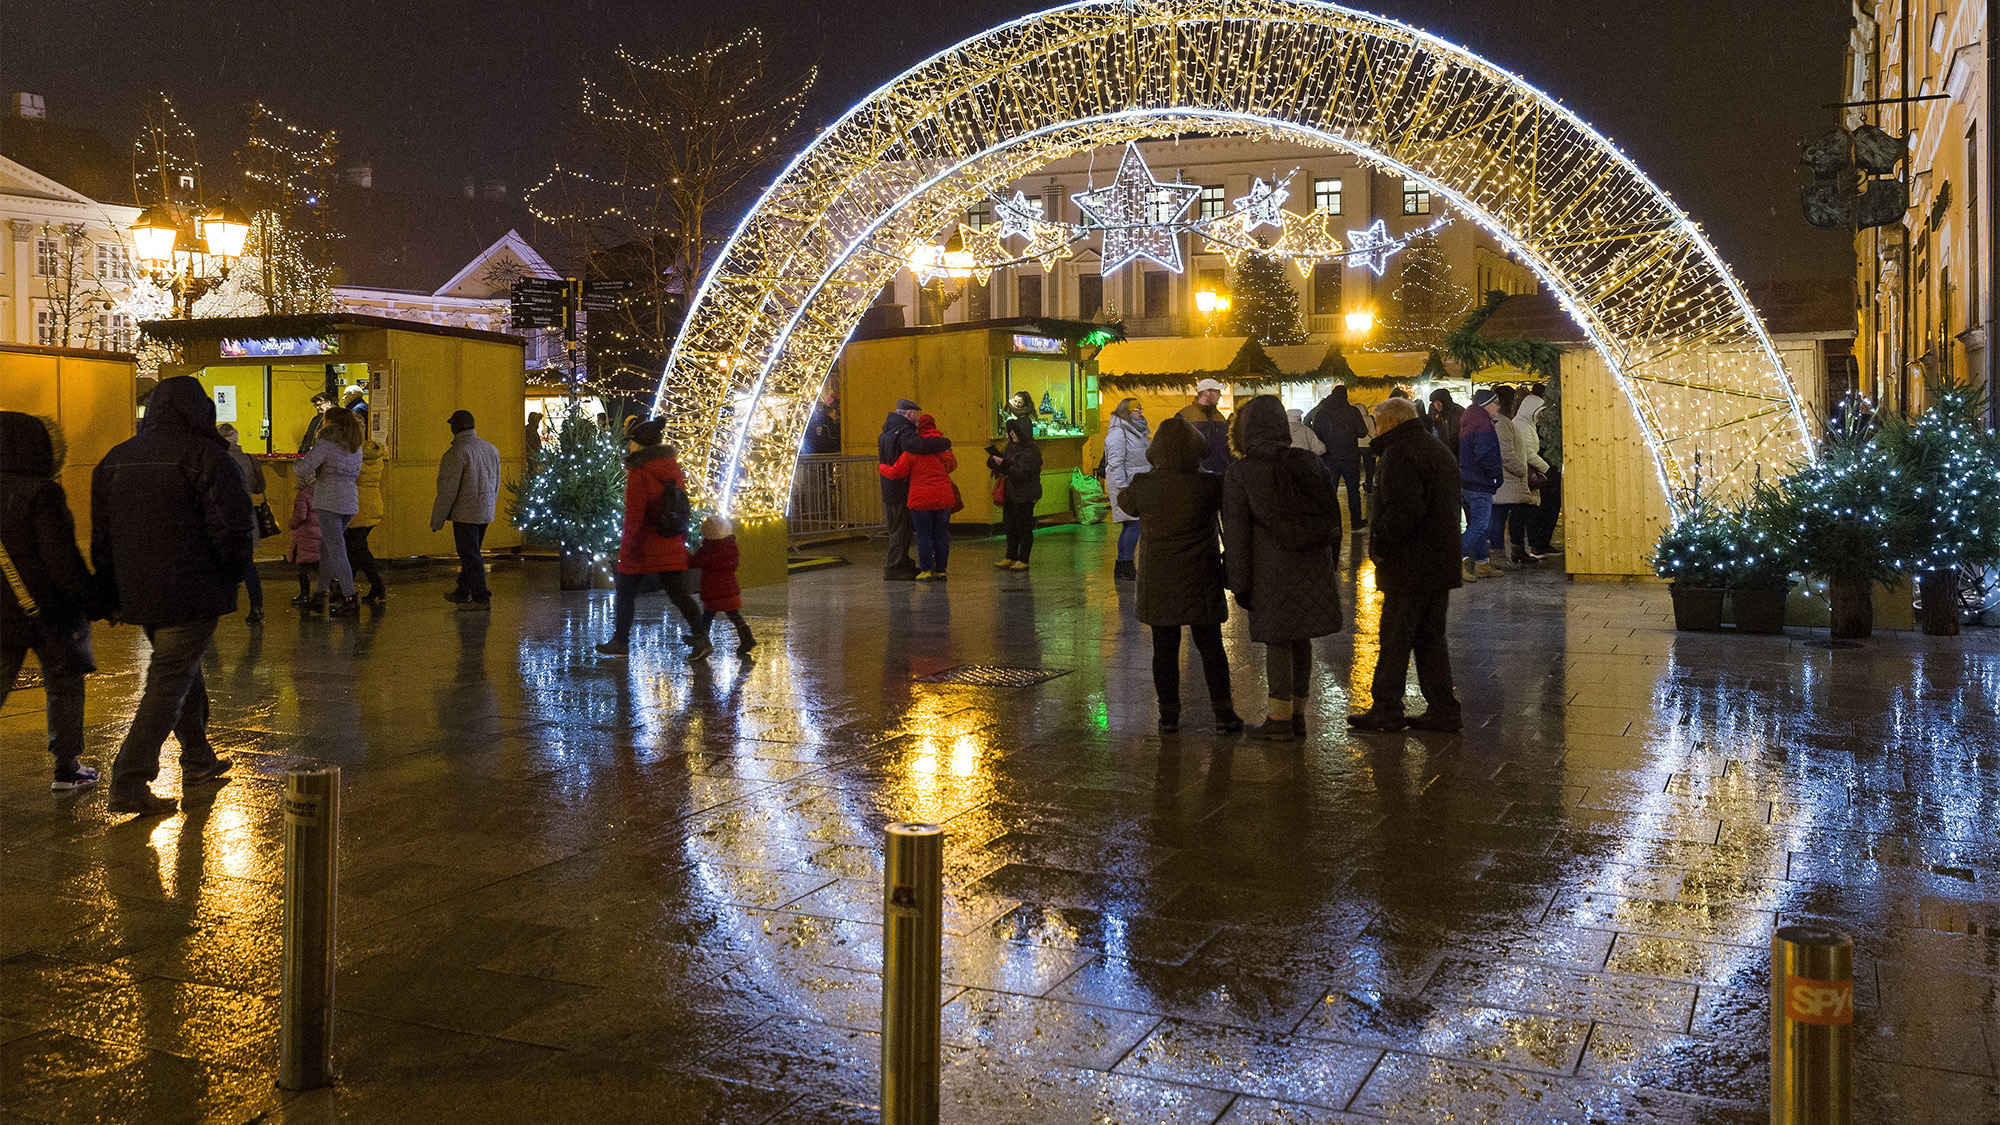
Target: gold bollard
<point x="1812" y="1026"/>
<point x="912" y="971"/>
<point x="312" y="854"/>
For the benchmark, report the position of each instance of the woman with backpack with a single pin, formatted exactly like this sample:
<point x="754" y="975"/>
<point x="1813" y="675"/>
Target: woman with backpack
<point x="1125" y="458"/>
<point x="655" y="496"/>
<point x="1280" y="527"/>
<point x="1017" y="471"/>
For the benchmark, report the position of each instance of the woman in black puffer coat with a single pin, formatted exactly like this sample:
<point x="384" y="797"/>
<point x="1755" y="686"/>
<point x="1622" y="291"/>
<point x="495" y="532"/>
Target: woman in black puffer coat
<point x="1280" y="529"/>
<point x="1180" y="568"/>
<point x="1019" y="467"/>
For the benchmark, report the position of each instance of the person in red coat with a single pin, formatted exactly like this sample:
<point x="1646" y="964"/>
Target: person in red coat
<point x="304" y="552"/>
<point x="719" y="591"/>
<point x="651" y="474"/>
<point x="932" y="499"/>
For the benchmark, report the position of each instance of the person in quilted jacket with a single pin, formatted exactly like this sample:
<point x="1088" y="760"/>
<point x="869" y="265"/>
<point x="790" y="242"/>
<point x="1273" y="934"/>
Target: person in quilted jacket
<point x="651" y="472"/>
<point x="719" y="591"/>
<point x="932" y="498"/>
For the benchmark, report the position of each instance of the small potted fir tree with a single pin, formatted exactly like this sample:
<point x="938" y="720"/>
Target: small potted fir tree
<point x="574" y="497"/>
<point x="1693" y="555"/>
<point x="1843" y="526"/>
<point x="1944" y="510"/>
<point x="1763" y="557"/>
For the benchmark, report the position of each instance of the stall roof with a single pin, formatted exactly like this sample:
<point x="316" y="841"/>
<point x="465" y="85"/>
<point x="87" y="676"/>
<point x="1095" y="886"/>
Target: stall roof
<point x="1168" y="355"/>
<point x="303" y="324"/>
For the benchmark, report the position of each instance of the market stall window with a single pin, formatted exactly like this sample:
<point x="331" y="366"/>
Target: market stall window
<point x="1055" y="393"/>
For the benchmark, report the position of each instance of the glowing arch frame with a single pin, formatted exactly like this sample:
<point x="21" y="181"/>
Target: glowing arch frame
<point x="787" y="289"/>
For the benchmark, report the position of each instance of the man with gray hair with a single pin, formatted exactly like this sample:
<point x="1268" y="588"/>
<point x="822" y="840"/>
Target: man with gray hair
<point x="1414" y="540"/>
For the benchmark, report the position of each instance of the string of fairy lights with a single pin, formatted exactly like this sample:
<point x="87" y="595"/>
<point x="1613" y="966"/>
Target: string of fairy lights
<point x="904" y="165"/>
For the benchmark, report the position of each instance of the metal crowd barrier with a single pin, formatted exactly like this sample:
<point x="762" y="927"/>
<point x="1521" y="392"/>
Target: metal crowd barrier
<point x="835" y="497"/>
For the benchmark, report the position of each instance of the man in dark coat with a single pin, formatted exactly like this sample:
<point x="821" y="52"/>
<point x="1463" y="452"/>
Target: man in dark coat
<point x="40" y="540"/>
<point x="1341" y="428"/>
<point x="1443" y="420"/>
<point x="170" y="533"/>
<point x="899" y="436"/>
<point x="1481" y="472"/>
<point x="1208" y="420"/>
<point x="1415" y="547"/>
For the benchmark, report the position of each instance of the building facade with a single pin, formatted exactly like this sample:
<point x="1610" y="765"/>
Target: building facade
<point x="477" y="297"/>
<point x="1154" y="301"/>
<point x="66" y="268"/>
<point x="1926" y="282"/>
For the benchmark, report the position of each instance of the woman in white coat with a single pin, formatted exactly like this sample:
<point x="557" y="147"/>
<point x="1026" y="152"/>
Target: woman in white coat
<point x="1516" y="500"/>
<point x="1124" y="458"/>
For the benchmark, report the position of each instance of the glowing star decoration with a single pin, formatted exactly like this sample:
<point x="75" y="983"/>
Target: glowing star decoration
<point x="1228" y="236"/>
<point x="1265" y="205"/>
<point x="1017" y="216"/>
<point x="1371" y="248"/>
<point x="1309" y="238"/>
<point x="1050" y="243"/>
<point x="986" y="249"/>
<point x="1136" y="211"/>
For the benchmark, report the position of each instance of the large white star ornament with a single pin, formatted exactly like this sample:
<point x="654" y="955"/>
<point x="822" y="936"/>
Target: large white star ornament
<point x="1137" y="213"/>
<point x="1017" y="216"/>
<point x="1265" y="205"/>
<point x="1371" y="248"/>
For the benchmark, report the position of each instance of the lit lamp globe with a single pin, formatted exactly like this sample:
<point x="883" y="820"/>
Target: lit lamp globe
<point x="153" y="235"/>
<point x="1210" y="303"/>
<point x="226" y="229"/>
<point x="1360" y="322"/>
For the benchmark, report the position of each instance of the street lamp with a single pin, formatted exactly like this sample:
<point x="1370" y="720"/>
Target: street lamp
<point x="1360" y="322"/>
<point x="165" y="242"/>
<point x="1208" y="302"/>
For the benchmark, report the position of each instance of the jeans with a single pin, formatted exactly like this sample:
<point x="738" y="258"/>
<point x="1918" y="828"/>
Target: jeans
<point x="933" y="539"/>
<point x="1414" y="623"/>
<point x="1542" y="524"/>
<point x="625" y="596"/>
<point x="1478" y="513"/>
<point x="1505" y="516"/>
<point x="1019" y="522"/>
<point x="1167" y="666"/>
<point x="1128" y="540"/>
<point x="175" y="702"/>
<point x="471" y="568"/>
<point x="360" y="558"/>
<point x="1349" y="471"/>
<point x="334" y="571"/>
<point x="896" y="517"/>
<point x="63" y="690"/>
<point x="1288" y="669"/>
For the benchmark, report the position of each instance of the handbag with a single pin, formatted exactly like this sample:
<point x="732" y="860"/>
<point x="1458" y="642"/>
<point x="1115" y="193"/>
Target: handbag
<point x="65" y="645"/>
<point x="957" y="499"/>
<point x="267" y="523"/>
<point x="999" y="491"/>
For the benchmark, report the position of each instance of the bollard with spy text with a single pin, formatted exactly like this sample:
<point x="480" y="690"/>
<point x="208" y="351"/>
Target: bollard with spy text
<point x="1812" y="1026"/>
<point x="912" y="971"/>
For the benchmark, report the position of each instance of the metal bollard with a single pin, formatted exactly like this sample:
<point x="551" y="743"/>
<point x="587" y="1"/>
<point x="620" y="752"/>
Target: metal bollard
<point x="1812" y="1026"/>
<point x="912" y="968"/>
<point x="312" y="854"/>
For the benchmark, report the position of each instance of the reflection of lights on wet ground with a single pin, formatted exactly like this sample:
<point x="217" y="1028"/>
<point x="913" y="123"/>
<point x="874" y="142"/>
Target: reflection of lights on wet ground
<point x="1367" y="634"/>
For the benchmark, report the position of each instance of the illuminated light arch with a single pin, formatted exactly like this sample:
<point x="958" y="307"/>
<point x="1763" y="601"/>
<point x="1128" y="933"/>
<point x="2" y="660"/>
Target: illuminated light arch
<point x="1711" y="396"/>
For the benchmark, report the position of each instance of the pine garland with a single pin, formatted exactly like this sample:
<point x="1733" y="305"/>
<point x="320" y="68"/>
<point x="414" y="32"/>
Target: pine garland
<point x="1473" y="353"/>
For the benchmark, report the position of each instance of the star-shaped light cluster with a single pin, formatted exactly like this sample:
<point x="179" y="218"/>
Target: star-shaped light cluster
<point x="1372" y="248"/>
<point x="1137" y="214"/>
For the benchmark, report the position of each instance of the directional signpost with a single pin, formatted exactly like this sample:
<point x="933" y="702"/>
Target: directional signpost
<point x="547" y="302"/>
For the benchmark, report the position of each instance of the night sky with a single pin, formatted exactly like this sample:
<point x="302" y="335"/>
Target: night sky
<point x="1710" y="97"/>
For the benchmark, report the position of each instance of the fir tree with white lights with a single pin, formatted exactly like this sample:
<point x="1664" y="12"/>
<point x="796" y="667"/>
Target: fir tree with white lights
<point x="1264" y="306"/>
<point x="1428" y="304"/>
<point x="575" y="495"/>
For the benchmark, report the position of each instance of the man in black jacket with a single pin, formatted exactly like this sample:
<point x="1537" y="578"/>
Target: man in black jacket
<point x="1415" y="547"/>
<point x="170" y="534"/>
<point x="1341" y="428"/>
<point x="46" y="570"/>
<point x="899" y="436"/>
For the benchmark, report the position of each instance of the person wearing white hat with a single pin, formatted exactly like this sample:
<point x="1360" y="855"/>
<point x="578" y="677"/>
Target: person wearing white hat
<point x="1211" y="423"/>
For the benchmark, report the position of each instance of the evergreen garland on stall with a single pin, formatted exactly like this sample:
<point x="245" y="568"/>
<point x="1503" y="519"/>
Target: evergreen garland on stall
<point x="1264" y="306"/>
<point x="575" y="497"/>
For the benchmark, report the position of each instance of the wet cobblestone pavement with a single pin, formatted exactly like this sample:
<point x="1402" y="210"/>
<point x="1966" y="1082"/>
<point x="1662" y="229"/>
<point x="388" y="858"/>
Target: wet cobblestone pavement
<point x="581" y="890"/>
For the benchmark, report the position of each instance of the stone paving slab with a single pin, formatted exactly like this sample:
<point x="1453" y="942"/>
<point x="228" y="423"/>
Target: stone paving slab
<point x="576" y="889"/>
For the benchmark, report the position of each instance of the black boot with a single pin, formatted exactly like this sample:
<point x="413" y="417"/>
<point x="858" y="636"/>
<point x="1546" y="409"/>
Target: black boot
<point x="1170" y="716"/>
<point x="376" y="595"/>
<point x="1226" y="718"/>
<point x="1124" y="571"/>
<point x="339" y="604"/>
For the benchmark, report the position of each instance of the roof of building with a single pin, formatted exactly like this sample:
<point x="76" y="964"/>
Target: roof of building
<point x="1818" y="307"/>
<point x="420" y="242"/>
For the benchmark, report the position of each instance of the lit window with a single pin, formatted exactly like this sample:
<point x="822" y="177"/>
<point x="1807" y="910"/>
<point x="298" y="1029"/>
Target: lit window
<point x="114" y="262"/>
<point x="1416" y="198"/>
<point x="48" y="257"/>
<point x="1326" y="195"/>
<point x="1160" y="206"/>
<point x="1211" y="201"/>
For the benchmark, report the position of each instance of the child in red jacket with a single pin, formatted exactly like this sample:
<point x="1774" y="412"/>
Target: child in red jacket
<point x="719" y="591"/>
<point x="305" y="543"/>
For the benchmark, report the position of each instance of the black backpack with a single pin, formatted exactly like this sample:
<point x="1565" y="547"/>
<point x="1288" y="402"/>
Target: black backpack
<point x="1309" y="511"/>
<point x="670" y="515"/>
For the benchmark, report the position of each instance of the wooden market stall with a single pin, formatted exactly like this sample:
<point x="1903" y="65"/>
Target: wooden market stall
<point x="91" y="395"/>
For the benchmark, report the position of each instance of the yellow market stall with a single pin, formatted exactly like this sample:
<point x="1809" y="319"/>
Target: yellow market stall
<point x="263" y="372"/>
<point x="92" y="397"/>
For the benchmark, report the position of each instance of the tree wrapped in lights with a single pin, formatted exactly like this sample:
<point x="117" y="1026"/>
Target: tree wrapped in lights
<point x="289" y="174"/>
<point x="574" y="497"/>
<point x="1944" y="511"/>
<point x="1263" y="305"/>
<point x="1428" y="304"/>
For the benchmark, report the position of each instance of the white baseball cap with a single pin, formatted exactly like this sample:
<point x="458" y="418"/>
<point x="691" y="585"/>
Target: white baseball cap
<point x="1208" y="385"/>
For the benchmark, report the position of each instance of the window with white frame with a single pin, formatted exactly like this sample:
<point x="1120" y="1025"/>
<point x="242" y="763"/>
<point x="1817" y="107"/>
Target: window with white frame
<point x="45" y="325"/>
<point x="1212" y="203"/>
<point x="1160" y="207"/>
<point x="114" y="262"/>
<point x="1326" y="194"/>
<point x="1416" y="198"/>
<point x="980" y="215"/>
<point x="48" y="257"/>
<point x="116" y="332"/>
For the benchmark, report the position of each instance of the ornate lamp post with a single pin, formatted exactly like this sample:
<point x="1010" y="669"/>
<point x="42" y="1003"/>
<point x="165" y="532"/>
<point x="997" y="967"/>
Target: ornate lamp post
<point x="1360" y="323"/>
<point x="174" y="247"/>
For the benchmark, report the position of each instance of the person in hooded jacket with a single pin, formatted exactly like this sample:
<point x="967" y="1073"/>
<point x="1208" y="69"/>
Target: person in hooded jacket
<point x="367" y="517"/>
<point x="1018" y="466"/>
<point x="720" y="591"/>
<point x="899" y="436"/>
<point x="40" y="540"/>
<point x="1280" y="524"/>
<point x="1481" y="472"/>
<point x="334" y="469"/>
<point x="170" y="525"/>
<point x="931" y="497"/>
<point x="1528" y="418"/>
<point x="1125" y="458"/>
<point x="1443" y="420"/>
<point x="1341" y="429"/>
<point x="1206" y="416"/>
<point x="253" y="479"/>
<point x="1175" y="505"/>
<point x="651" y="473"/>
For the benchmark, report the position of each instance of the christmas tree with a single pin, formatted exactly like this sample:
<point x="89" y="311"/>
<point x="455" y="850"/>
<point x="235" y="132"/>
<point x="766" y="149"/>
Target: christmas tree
<point x="1428" y="305"/>
<point x="575" y="496"/>
<point x="1264" y="305"/>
